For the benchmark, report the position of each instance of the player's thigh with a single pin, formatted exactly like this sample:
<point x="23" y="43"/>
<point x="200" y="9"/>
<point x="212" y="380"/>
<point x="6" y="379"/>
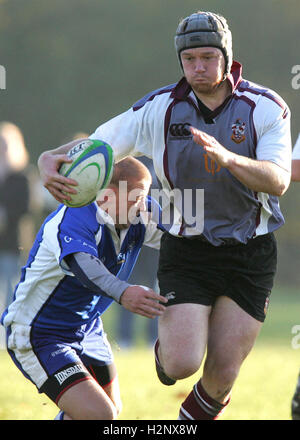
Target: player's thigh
<point x="113" y="392"/>
<point x="87" y="401"/>
<point x="182" y="331"/>
<point x="232" y="334"/>
<point x="107" y="378"/>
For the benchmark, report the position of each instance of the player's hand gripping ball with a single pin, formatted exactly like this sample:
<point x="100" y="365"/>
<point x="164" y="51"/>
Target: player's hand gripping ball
<point x="92" y="168"/>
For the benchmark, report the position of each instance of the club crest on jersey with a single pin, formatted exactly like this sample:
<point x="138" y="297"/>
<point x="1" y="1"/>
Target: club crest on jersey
<point x="238" y="131"/>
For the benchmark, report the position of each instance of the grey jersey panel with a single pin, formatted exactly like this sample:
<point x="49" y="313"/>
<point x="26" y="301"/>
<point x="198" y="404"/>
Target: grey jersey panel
<point x="231" y="210"/>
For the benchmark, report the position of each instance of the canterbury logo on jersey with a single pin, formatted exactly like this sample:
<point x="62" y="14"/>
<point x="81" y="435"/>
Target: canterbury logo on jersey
<point x="180" y="130"/>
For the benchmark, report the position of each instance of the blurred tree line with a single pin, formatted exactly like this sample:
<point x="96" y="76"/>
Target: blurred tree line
<point x="72" y="64"/>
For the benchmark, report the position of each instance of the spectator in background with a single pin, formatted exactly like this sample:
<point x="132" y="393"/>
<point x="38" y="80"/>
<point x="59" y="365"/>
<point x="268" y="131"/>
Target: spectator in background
<point x="14" y="203"/>
<point x="296" y="178"/>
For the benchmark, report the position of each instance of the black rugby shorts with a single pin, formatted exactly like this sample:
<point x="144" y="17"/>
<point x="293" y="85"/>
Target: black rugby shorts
<point x="192" y="271"/>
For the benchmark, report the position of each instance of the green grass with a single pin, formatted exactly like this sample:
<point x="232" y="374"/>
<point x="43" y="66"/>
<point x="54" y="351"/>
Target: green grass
<point x="262" y="391"/>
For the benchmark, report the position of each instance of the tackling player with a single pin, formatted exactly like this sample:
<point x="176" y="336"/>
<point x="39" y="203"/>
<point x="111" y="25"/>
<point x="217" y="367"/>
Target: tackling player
<point x="78" y="265"/>
<point x="216" y="132"/>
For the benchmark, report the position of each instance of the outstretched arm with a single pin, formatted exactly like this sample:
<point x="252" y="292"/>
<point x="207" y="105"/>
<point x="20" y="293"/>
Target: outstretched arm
<point x="92" y="273"/>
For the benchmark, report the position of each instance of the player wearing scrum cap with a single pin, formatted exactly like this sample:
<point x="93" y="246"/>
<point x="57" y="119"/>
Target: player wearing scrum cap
<point x="216" y="131"/>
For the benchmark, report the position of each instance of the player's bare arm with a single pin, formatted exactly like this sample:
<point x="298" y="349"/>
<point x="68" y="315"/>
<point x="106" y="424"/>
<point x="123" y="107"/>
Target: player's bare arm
<point x="260" y="176"/>
<point x="49" y="163"/>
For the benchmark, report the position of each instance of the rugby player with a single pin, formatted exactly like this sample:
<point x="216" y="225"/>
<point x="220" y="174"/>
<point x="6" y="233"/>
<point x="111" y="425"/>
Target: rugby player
<point x="220" y="133"/>
<point x="78" y="265"/>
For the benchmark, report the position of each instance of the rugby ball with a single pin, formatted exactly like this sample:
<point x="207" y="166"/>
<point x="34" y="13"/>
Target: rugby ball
<point x="92" y="168"/>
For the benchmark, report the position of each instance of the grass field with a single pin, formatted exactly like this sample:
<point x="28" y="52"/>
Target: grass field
<point x="263" y="390"/>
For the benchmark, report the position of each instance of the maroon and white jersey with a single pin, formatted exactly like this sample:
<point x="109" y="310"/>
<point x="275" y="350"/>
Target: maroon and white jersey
<point x="206" y="199"/>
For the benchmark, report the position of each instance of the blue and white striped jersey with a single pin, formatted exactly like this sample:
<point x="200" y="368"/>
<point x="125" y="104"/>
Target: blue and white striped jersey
<point x="48" y="295"/>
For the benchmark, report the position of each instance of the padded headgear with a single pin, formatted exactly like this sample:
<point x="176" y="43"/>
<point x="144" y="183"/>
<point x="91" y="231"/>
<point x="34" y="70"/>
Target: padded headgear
<point x="203" y="29"/>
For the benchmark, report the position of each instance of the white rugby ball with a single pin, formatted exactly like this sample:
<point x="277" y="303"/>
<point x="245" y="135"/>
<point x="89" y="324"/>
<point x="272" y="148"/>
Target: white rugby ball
<point x="92" y="168"/>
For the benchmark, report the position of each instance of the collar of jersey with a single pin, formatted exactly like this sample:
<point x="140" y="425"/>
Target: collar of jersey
<point x="104" y="219"/>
